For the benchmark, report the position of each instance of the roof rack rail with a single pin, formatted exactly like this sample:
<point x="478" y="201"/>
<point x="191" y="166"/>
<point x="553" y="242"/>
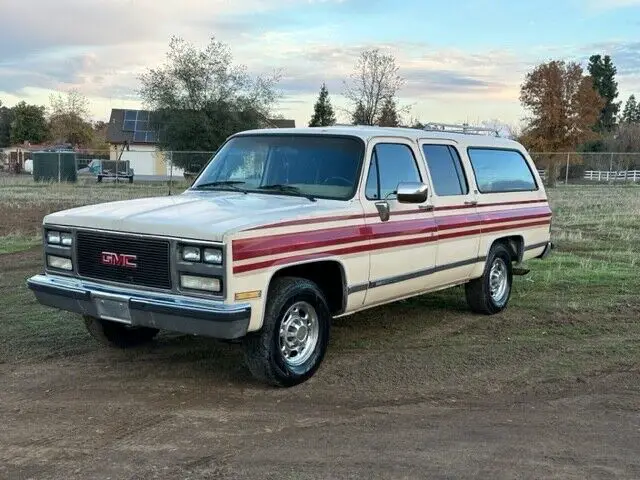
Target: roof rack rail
<point x="460" y="128"/>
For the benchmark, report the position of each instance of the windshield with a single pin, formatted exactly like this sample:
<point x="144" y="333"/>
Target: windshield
<point x="301" y="165"/>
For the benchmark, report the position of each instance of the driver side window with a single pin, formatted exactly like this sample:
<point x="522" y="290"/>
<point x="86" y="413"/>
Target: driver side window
<point x="391" y="163"/>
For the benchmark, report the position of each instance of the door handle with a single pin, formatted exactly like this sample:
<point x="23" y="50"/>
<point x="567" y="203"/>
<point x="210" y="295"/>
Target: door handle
<point x="471" y="202"/>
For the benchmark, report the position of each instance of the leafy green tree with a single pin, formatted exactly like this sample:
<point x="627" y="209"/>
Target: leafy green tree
<point x="199" y="98"/>
<point x="323" y="115"/>
<point x="603" y="74"/>
<point x="6" y="116"/>
<point x="389" y="114"/>
<point x="68" y="122"/>
<point x="631" y="112"/>
<point x="28" y="124"/>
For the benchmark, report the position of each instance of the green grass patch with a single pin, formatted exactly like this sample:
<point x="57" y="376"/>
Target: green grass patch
<point x="17" y="243"/>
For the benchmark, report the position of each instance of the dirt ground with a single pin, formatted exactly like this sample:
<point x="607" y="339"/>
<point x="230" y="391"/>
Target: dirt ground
<point x="396" y="407"/>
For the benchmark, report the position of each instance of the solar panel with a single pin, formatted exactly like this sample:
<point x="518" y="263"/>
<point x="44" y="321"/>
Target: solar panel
<point x="138" y="122"/>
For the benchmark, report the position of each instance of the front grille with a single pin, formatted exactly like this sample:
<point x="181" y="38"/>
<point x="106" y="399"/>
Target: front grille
<point x="152" y="259"/>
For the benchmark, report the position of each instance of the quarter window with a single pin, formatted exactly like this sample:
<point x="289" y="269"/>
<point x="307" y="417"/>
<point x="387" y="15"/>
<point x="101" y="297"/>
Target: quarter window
<point x="391" y="164"/>
<point x="501" y="170"/>
<point x="446" y="170"/>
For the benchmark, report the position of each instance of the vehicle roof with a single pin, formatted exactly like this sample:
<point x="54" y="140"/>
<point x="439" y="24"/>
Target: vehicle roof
<point x="368" y="132"/>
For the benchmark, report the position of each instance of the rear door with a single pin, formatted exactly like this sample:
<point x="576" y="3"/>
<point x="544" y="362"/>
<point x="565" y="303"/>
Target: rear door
<point x="454" y="201"/>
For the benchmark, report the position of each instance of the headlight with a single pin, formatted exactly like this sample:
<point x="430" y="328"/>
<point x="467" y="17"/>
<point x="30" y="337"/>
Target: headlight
<point x="191" y="254"/>
<point x="66" y="239"/>
<point x="212" y="255"/>
<point x="53" y="237"/>
<point x="193" y="282"/>
<point x="60" y="263"/>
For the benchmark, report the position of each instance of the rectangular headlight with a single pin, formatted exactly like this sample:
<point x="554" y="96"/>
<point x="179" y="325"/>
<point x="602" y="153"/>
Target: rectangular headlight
<point x="53" y="237"/>
<point x="193" y="282"/>
<point x="60" y="263"/>
<point x="213" y="255"/>
<point x="66" y="239"/>
<point x="191" y="254"/>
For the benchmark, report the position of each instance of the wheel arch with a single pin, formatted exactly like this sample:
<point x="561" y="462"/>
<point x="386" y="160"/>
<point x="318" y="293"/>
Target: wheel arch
<point x="324" y="273"/>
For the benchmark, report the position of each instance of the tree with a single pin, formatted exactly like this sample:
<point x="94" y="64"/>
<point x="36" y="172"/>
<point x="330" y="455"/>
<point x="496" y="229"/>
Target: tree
<point x="374" y="79"/>
<point x="323" y="115"/>
<point x="28" y="124"/>
<point x="631" y="112"/>
<point x="389" y="114"/>
<point x="603" y="73"/>
<point x="564" y="107"/>
<point x="68" y="122"/>
<point x="6" y="117"/>
<point x="358" y="115"/>
<point x="199" y="98"/>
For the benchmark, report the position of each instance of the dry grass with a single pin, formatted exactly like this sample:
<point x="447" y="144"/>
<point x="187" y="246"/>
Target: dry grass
<point x="574" y="314"/>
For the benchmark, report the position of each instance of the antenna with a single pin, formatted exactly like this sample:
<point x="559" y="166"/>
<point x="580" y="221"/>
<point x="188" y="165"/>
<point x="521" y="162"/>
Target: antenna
<point x="460" y="128"/>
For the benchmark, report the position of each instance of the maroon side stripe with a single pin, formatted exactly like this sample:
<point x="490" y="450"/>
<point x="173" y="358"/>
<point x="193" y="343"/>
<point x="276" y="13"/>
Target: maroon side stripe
<point x="337" y="218"/>
<point x="245" y="249"/>
<point x="378" y="246"/>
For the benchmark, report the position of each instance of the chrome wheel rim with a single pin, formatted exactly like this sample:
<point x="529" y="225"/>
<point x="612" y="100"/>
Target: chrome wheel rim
<point x="498" y="280"/>
<point x="299" y="332"/>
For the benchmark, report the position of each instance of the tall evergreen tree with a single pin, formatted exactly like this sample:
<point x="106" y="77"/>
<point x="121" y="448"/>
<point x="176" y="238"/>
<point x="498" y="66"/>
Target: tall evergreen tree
<point x="358" y="117"/>
<point x="603" y="73"/>
<point x="631" y="112"/>
<point x="28" y="123"/>
<point x="389" y="114"/>
<point x="323" y="115"/>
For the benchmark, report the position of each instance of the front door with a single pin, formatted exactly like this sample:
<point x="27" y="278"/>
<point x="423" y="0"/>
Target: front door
<point x="403" y="251"/>
<point x="454" y="204"/>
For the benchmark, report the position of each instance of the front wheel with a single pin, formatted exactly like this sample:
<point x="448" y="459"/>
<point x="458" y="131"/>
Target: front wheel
<point x="293" y="340"/>
<point x="490" y="293"/>
<point x="119" y="335"/>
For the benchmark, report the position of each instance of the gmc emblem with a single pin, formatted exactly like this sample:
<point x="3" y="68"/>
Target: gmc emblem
<point x="118" y="260"/>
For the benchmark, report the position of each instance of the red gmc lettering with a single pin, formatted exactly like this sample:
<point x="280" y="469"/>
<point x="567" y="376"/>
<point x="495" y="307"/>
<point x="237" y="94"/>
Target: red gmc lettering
<point x="118" y="259"/>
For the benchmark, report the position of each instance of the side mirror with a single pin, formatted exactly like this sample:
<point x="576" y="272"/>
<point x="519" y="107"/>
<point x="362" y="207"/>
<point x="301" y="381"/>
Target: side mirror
<point x="412" y="192"/>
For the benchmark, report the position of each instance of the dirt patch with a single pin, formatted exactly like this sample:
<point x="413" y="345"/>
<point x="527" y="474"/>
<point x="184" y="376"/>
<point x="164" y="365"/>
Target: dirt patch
<point x="142" y="415"/>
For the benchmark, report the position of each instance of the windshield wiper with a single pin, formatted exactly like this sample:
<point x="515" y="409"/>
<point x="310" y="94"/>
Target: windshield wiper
<point x="281" y="187"/>
<point x="233" y="184"/>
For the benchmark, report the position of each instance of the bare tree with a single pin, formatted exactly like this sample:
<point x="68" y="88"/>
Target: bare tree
<point x="374" y="80"/>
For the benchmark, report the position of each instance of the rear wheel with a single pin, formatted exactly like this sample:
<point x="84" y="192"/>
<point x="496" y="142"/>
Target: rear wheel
<point x="119" y="335"/>
<point x="293" y="340"/>
<point x="490" y="293"/>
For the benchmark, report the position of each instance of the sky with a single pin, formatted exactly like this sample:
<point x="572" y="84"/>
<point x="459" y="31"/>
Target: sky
<point x="462" y="60"/>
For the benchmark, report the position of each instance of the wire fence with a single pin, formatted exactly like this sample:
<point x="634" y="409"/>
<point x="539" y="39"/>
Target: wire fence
<point x="589" y="167"/>
<point x="175" y="169"/>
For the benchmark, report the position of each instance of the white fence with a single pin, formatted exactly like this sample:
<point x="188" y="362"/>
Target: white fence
<point x="603" y="176"/>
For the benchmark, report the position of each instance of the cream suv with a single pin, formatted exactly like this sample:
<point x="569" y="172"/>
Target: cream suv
<point x="286" y="229"/>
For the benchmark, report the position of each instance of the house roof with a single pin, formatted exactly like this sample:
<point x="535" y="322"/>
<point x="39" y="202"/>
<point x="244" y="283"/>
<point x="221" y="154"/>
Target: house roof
<point x="133" y="127"/>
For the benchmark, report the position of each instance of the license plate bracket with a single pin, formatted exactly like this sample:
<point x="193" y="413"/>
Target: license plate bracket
<point x="113" y="308"/>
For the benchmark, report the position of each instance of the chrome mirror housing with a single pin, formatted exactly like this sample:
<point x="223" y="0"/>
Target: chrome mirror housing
<point x="412" y="192"/>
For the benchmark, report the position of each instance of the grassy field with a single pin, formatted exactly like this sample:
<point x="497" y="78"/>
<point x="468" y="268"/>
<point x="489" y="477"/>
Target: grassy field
<point x="418" y="389"/>
<point x="575" y="313"/>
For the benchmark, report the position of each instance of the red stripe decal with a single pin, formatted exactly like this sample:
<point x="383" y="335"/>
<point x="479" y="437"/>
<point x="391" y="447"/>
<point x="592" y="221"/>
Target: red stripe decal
<point x="378" y="246"/>
<point x="245" y="249"/>
<point x="338" y="218"/>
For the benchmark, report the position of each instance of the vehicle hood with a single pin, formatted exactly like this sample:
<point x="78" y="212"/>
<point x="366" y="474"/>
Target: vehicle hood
<point x="197" y="215"/>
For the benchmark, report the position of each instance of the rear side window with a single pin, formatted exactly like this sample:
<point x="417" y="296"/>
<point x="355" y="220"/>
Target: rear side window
<point x="501" y="171"/>
<point x="391" y="164"/>
<point x="446" y="171"/>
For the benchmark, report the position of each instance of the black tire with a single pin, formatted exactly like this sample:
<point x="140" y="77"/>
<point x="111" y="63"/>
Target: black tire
<point x="263" y="355"/>
<point x="99" y="178"/>
<point x="478" y="291"/>
<point x="115" y="334"/>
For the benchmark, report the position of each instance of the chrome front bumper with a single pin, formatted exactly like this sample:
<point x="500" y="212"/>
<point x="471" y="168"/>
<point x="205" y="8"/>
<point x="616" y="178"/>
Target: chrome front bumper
<point x="164" y="311"/>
